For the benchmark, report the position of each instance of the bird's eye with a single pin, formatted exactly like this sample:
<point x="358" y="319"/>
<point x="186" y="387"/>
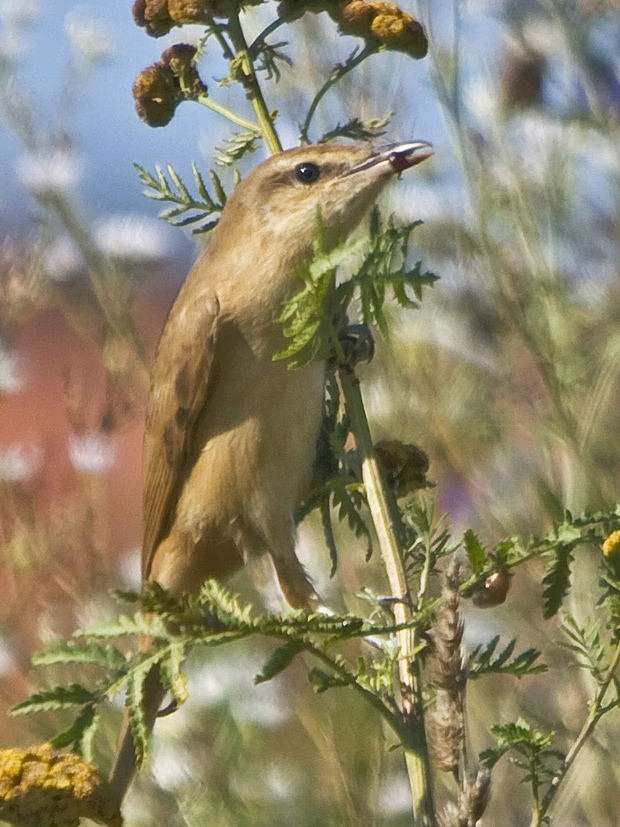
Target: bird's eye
<point x="307" y="173"/>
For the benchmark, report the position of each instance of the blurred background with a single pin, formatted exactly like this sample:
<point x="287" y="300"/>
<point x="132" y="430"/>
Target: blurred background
<point x="507" y="378"/>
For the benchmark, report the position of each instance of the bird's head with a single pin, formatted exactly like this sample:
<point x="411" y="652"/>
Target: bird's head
<point x="281" y="197"/>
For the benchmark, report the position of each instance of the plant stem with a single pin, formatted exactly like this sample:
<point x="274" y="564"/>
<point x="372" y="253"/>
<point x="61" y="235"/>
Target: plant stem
<point x="205" y="100"/>
<point x="268" y="30"/>
<point x="596" y="712"/>
<point x="416" y="751"/>
<point x="337" y="74"/>
<point x="103" y="276"/>
<point x="252" y="87"/>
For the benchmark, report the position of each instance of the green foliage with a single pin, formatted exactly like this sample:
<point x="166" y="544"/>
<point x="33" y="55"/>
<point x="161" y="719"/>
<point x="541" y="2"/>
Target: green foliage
<point x="484" y="661"/>
<point x="235" y="148"/>
<point x="212" y="618"/>
<point x="532" y="751"/>
<point x="585" y="640"/>
<point x="195" y="210"/>
<point x="426" y="539"/>
<point x="60" y="697"/>
<point x="476" y="553"/>
<point x="80" y="735"/>
<point x="313" y="318"/>
<point x="357" y="129"/>
<point x="269" y="59"/>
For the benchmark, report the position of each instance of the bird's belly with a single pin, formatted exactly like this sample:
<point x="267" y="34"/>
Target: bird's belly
<point x="254" y="453"/>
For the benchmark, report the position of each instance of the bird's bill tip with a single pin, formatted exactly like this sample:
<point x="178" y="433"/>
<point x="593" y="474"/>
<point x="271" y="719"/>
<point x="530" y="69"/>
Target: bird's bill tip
<point x="403" y="156"/>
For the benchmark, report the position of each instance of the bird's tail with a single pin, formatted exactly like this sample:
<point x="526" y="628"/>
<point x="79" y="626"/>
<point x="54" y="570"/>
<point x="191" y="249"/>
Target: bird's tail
<point x="125" y="763"/>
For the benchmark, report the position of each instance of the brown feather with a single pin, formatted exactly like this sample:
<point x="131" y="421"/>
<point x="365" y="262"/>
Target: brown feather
<point x="179" y="390"/>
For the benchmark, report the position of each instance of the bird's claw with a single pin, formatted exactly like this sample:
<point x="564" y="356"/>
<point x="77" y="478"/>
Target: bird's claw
<point x="357" y="343"/>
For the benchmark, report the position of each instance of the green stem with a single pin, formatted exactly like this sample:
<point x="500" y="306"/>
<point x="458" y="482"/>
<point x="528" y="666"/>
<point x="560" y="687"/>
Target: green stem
<point x="596" y="712"/>
<point x="103" y="276"/>
<point x="416" y="751"/>
<point x="205" y="100"/>
<point x="269" y="30"/>
<point x="252" y="87"/>
<point x="337" y="74"/>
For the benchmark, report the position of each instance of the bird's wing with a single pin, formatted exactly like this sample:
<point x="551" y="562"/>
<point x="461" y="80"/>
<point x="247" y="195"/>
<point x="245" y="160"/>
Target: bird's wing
<point x="179" y="386"/>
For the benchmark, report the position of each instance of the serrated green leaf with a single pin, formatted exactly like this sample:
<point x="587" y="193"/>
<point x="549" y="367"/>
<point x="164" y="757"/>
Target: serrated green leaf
<point x="320" y="681"/>
<point x="280" y="659"/>
<point x="476" y="553"/>
<point x="557" y="580"/>
<point x="176" y="179"/>
<point x="202" y="188"/>
<point x="71" y="651"/>
<point x="206" y="227"/>
<point x="80" y="735"/>
<point x="217" y="187"/>
<point x="172" y="675"/>
<point x="483" y="662"/>
<point x="60" y="697"/>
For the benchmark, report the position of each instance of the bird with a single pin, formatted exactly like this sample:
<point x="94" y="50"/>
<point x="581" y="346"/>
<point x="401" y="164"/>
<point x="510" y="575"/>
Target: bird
<point x="230" y="432"/>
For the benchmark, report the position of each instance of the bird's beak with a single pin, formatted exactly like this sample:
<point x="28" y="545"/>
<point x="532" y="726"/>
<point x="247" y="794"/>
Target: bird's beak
<point x="398" y="156"/>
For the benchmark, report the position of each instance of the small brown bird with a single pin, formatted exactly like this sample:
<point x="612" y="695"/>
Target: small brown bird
<point x="230" y="434"/>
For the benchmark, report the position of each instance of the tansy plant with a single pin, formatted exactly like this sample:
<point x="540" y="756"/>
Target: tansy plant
<point x="405" y="656"/>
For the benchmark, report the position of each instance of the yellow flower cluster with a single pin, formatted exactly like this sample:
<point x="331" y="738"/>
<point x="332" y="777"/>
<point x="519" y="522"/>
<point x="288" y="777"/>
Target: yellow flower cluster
<point x="42" y="787"/>
<point x="611" y="546"/>
<point x="159" y="16"/>
<point x="379" y="22"/>
<point x="160" y="88"/>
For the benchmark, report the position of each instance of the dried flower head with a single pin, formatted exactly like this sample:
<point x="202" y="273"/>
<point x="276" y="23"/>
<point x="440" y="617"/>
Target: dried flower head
<point x="473" y="800"/>
<point x="159" y="16"/>
<point x="611" y="546"/>
<point x="404" y="466"/>
<point x="42" y="787"/>
<point x="385" y="24"/>
<point x="448" y="675"/>
<point x="153" y="16"/>
<point x="160" y="88"/>
<point x="293" y="9"/>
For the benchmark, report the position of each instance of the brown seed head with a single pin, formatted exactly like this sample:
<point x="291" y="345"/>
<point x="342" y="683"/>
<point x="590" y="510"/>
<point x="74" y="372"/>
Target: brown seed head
<point x="160" y="88"/>
<point x="385" y="24"/>
<point x="153" y="16"/>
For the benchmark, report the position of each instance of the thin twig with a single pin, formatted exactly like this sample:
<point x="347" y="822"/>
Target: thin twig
<point x="597" y="710"/>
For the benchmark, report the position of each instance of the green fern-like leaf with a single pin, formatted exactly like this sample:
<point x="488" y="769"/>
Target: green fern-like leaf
<point x="281" y="658"/>
<point x="476" y="553"/>
<point x="108" y="657"/>
<point x="526" y="742"/>
<point x="358" y="130"/>
<point x="484" y="661"/>
<point x="186" y="209"/>
<point x="60" y="697"/>
<point x="235" y="147"/>
<point x="557" y="580"/>
<point x="80" y="735"/>
<point x="585" y="640"/>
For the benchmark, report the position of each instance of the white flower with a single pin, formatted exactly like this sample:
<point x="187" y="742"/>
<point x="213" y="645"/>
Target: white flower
<point x="54" y="170"/>
<point x="19" y="462"/>
<point x="11" y="378"/>
<point x="91" y="452"/>
<point x="134" y="238"/>
<point x="88" y="37"/>
<point x="62" y="259"/>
